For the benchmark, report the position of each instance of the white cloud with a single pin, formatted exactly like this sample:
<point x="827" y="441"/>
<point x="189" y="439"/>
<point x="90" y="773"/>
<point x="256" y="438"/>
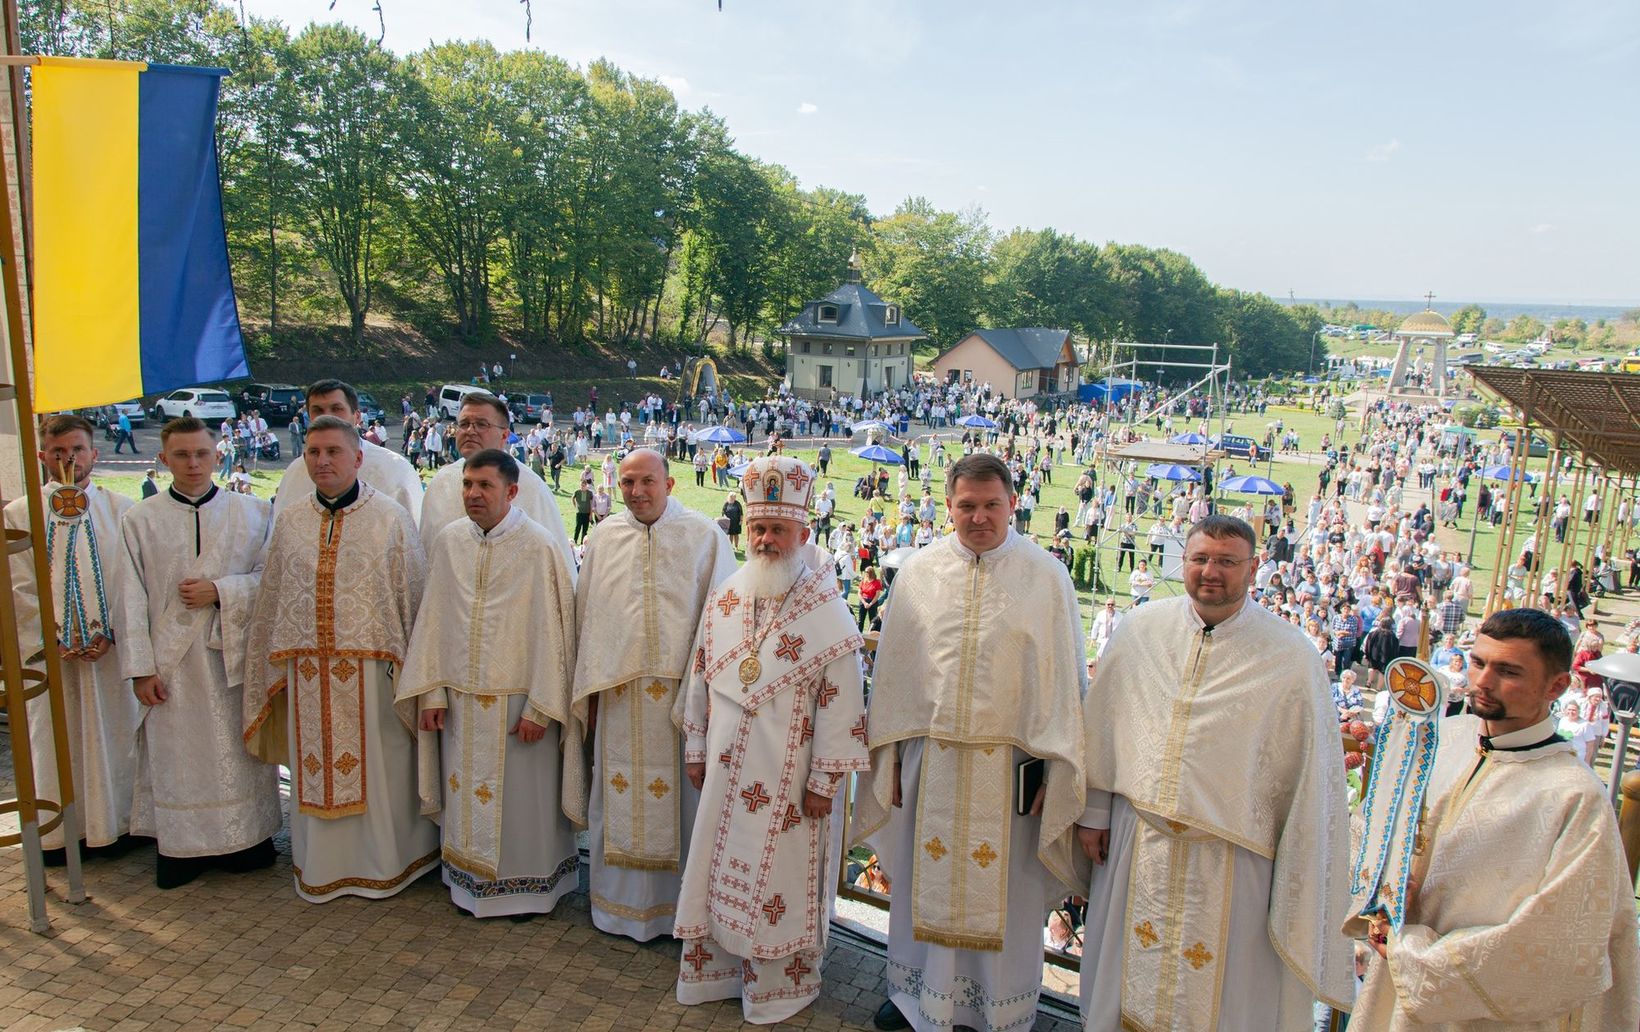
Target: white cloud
<point x="1544" y="227"/>
<point x="676" y="83"/>
<point x="806" y="108"/>
<point x="1383" y="151"/>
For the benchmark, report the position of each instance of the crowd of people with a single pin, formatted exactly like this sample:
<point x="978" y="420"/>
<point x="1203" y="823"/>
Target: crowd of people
<point x="456" y="682"/>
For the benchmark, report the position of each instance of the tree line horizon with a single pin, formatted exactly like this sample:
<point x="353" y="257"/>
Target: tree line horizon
<point x="471" y="192"/>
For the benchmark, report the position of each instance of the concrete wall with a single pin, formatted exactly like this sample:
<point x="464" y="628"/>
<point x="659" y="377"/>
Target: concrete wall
<point x="847" y="371"/>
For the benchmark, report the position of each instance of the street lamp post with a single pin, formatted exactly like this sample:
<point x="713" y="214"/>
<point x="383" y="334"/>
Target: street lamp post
<point x="1314" y="337"/>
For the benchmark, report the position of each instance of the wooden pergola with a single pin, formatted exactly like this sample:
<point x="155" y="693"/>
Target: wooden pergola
<point x="1592" y="421"/>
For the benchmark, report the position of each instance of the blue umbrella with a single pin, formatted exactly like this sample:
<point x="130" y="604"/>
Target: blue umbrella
<point x="1171" y="471"/>
<point x="1505" y="473"/>
<point x="976" y="422"/>
<point x="877" y="453"/>
<point x="1190" y="438"/>
<point x="721" y="435"/>
<point x="739" y="471"/>
<point x="1252" y="485"/>
<point x="870" y="424"/>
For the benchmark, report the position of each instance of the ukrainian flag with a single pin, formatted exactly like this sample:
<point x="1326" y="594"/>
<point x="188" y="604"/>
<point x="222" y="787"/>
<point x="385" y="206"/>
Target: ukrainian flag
<point x="132" y="293"/>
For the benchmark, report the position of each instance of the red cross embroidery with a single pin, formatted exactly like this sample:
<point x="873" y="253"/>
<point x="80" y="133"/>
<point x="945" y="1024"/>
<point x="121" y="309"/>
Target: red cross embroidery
<point x="724" y="758"/>
<point x="859" y="730"/>
<point x="828" y="692"/>
<point x="808" y="731"/>
<point x="791" y="819"/>
<point x="697" y="956"/>
<point x="728" y="602"/>
<point x="775" y="909"/>
<point x="796" y="970"/>
<point x="748" y="974"/>
<point x="756" y="798"/>
<point x="791" y="649"/>
<point x="700" y="660"/>
<point x="798" y="478"/>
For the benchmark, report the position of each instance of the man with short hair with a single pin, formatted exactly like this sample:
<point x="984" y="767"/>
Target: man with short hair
<point x="1216" y="812"/>
<point x="83" y="554"/>
<point x="644" y="579"/>
<point x="489" y="668"/>
<point x="483" y="423"/>
<point x="773" y="721"/>
<point x="977" y="772"/>
<point x="333" y="615"/>
<point x="190" y="569"/>
<point x="1520" y="909"/>
<point x="383" y="469"/>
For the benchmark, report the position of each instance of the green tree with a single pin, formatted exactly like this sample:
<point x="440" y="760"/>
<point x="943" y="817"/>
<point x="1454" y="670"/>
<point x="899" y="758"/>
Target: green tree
<point x="1468" y="319"/>
<point x="342" y="139"/>
<point x="934" y="264"/>
<point x="450" y="172"/>
<point x="1523" y="328"/>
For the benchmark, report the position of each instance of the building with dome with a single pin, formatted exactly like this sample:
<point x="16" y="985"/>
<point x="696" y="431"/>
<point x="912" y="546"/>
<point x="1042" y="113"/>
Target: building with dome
<point x="1427" y="328"/>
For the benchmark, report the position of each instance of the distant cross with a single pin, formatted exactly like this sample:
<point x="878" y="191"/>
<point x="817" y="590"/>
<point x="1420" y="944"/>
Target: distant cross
<point x="1429" y="300"/>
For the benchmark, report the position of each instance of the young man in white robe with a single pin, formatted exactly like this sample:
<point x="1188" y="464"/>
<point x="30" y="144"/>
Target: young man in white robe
<point x="773" y="722"/>
<point x="192" y="561"/>
<point x="83" y="551"/>
<point x="489" y="668"/>
<point x="1519" y="909"/>
<point x="482" y="423"/>
<point x="980" y="669"/>
<point x="332" y="620"/>
<point x="645" y="575"/>
<point x="382" y="468"/>
<point x="1216" y="816"/>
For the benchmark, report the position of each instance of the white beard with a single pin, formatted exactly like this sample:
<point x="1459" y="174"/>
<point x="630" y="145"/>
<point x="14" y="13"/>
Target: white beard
<point x="769" y="576"/>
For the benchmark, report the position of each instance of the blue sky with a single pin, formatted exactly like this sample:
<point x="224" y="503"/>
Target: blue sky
<point x="1484" y="151"/>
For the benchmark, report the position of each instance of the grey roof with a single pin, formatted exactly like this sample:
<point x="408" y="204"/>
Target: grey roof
<point x="1030" y="347"/>
<point x="860" y="316"/>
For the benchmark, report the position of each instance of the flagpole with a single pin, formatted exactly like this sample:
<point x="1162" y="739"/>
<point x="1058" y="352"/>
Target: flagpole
<point x="16" y="238"/>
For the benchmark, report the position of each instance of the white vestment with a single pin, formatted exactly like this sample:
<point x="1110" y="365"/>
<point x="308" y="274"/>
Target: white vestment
<point x="1523" y="914"/>
<point x="1214" y="760"/>
<point x="498" y="646"/>
<point x="332" y="618"/>
<point x="755" y="905"/>
<point x="637" y="605"/>
<point x="980" y="668"/>
<point x="383" y="469"/>
<point x="100" y="711"/>
<point x="197" y="791"/>
<point x="442" y="506"/>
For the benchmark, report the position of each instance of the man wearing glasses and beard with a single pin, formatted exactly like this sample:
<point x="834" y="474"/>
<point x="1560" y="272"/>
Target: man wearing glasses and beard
<point x="1216" y="815"/>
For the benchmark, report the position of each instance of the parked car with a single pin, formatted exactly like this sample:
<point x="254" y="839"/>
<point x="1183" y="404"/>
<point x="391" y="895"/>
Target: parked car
<point x="450" y="395"/>
<point x="1233" y="445"/>
<point x="1537" y="447"/>
<point x="369" y="411"/>
<point x="278" y="402"/>
<point x="527" y="408"/>
<point x="206" y="403"/>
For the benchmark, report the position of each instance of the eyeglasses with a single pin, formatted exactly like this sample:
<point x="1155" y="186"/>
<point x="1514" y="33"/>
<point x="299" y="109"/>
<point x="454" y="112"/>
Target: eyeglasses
<point x="1202" y="562"/>
<point x="477" y="424"/>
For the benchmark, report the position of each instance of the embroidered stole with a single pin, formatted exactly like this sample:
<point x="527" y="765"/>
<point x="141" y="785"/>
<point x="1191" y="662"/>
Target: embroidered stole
<point x="77" y="582"/>
<point x="1177" y="926"/>
<point x="960" y="873"/>
<point x="472" y="804"/>
<point x="640" y="751"/>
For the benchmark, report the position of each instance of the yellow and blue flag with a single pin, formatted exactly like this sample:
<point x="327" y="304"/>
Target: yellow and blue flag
<point x="132" y="293"/>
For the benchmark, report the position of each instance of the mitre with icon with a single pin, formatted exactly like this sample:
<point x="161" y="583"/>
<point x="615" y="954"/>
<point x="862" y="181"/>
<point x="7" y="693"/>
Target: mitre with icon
<point x="778" y="487"/>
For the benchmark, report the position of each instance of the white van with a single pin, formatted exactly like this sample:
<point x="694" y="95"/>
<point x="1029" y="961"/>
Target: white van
<point x="450" y="395"/>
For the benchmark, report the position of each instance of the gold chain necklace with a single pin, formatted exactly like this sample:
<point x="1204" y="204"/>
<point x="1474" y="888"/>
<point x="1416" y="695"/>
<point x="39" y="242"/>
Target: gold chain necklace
<point x="751" y="668"/>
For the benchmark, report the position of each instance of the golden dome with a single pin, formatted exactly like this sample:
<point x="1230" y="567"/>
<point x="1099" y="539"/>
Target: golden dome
<point x="1427" y="323"/>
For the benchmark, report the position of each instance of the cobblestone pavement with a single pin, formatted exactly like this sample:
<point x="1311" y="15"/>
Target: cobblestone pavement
<point x="240" y="951"/>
